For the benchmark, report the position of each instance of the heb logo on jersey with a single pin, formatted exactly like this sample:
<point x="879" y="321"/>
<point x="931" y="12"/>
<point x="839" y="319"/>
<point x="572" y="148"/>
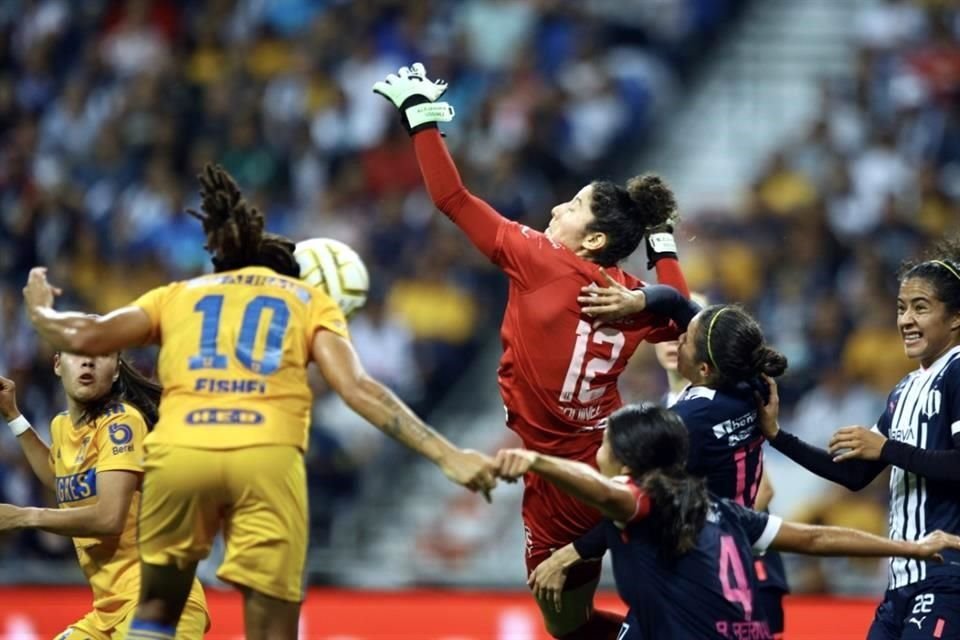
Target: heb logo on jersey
<point x="736" y="430"/>
<point x="79" y="486"/>
<point x="242" y="417"/>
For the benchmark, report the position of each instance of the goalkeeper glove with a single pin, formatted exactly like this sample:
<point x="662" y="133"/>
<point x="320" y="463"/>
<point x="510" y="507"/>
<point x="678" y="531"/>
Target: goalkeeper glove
<point x="660" y="244"/>
<point x="416" y="97"/>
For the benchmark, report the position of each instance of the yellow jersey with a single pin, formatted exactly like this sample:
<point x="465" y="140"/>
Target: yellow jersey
<point x="78" y="454"/>
<point x="234" y="350"/>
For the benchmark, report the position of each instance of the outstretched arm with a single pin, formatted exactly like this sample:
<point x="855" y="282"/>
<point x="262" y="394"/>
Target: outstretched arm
<point x="927" y="463"/>
<point x="80" y="332"/>
<point x="106" y="517"/>
<point x="342" y="370"/>
<point x="615" y="301"/>
<point x="841" y="541"/>
<point x="615" y="500"/>
<point x="479" y="220"/>
<point x="853" y="474"/>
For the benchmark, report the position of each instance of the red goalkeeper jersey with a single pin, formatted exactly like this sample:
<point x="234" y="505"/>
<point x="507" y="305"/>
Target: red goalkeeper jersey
<point x="559" y="369"/>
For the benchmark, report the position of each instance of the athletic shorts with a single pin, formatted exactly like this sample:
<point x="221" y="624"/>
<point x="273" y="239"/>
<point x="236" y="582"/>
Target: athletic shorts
<point x="258" y="495"/>
<point x="551" y="520"/>
<point x="193" y="624"/>
<point x="929" y="609"/>
<point x="772" y="577"/>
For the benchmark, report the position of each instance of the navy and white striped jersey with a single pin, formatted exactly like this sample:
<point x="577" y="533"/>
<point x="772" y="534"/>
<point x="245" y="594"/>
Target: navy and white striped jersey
<point x="726" y="445"/>
<point x="924" y="411"/>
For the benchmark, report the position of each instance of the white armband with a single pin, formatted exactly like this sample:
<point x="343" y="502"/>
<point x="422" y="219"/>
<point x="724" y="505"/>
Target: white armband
<point x="19" y="425"/>
<point x="662" y="242"/>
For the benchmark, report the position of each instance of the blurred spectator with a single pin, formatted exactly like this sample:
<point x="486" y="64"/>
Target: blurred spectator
<point x="109" y="109"/>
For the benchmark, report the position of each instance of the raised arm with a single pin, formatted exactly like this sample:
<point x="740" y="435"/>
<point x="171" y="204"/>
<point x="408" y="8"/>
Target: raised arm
<point x="476" y="218"/>
<point x="106" y="517"/>
<point x="80" y="332"/>
<point x="34" y="448"/>
<point x="662" y="256"/>
<point x="341" y="368"/>
<point x="615" y="500"/>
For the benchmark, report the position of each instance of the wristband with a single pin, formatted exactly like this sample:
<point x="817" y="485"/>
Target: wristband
<point x="19" y="425"/>
<point x="660" y="245"/>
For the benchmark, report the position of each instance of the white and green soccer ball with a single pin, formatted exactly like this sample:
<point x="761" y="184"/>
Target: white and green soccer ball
<point x="336" y="269"/>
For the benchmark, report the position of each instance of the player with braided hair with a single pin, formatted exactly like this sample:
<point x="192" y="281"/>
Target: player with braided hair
<point x="228" y="448"/>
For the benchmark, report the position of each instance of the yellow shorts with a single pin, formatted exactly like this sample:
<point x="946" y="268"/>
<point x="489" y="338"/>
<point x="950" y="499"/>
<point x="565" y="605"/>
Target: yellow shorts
<point x="193" y="624"/>
<point x="259" y="496"/>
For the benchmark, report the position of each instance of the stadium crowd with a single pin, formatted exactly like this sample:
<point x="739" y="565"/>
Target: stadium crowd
<point x="109" y="108"/>
<point x="815" y="247"/>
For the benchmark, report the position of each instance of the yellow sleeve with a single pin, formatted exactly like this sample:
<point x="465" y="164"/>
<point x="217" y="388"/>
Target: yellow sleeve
<point x="120" y="440"/>
<point x="53" y="443"/>
<point x="152" y="302"/>
<point x="326" y="314"/>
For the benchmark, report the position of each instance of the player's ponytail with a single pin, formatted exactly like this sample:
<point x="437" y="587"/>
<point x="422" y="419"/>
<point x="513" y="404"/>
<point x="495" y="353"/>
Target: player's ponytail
<point x="235" y="229"/>
<point x="940" y="268"/>
<point x="131" y="387"/>
<point x="626" y="214"/>
<point x="731" y="342"/>
<point x="680" y="503"/>
<point x="653" y="442"/>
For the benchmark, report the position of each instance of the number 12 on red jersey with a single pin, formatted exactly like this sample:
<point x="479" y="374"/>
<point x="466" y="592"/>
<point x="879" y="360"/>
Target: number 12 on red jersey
<point x="581" y="376"/>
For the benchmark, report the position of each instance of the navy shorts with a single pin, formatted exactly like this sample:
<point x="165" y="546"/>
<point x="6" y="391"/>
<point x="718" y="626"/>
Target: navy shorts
<point x="928" y="609"/>
<point x="772" y="577"/>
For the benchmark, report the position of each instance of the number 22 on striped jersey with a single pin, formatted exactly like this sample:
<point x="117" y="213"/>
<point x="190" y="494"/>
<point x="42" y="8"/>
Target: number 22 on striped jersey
<point x="580" y="376"/>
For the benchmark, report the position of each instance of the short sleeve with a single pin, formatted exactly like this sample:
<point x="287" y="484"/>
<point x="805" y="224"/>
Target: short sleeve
<point x="951" y="402"/>
<point x="883" y="423"/>
<point x="326" y="314"/>
<point x="120" y="438"/>
<point x="688" y="410"/>
<point x="152" y="303"/>
<point x="51" y="460"/>
<point x="526" y="255"/>
<point x="641" y="500"/>
<point x="761" y="528"/>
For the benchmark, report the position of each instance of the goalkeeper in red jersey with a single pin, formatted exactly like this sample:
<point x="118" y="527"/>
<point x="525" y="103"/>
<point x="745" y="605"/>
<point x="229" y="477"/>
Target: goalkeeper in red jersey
<point x="559" y="369"/>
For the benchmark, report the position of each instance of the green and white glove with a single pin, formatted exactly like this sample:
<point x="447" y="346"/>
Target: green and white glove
<point x="416" y="97"/>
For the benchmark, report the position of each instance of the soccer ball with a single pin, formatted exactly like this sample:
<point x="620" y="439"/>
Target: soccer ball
<point x="336" y="269"/>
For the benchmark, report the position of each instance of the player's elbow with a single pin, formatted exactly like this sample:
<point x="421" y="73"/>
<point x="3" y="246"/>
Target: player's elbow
<point x="453" y="202"/>
<point x="111" y="522"/>
<point x="615" y="505"/>
<point x="359" y="392"/>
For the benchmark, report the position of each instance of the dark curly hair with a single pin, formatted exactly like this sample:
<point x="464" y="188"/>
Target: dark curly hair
<point x="732" y="343"/>
<point x="626" y="214"/>
<point x="941" y="268"/>
<point x="653" y="442"/>
<point x="234" y="228"/>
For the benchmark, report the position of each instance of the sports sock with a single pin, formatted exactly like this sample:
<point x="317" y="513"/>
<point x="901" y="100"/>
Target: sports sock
<point x="146" y="630"/>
